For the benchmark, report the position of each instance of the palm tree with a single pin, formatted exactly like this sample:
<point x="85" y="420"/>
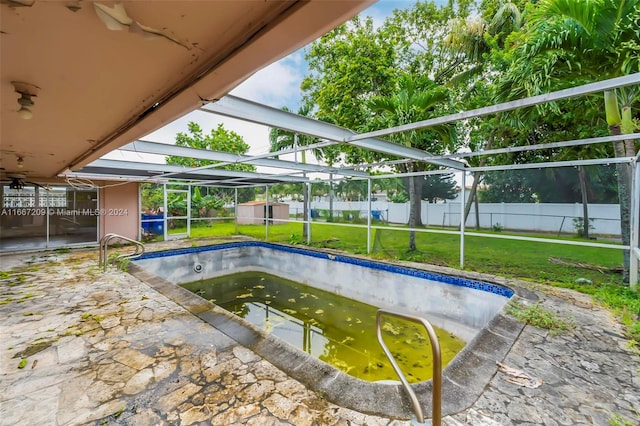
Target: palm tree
<point x="583" y="41"/>
<point x="280" y="139"/>
<point x="408" y="105"/>
<point x="469" y="43"/>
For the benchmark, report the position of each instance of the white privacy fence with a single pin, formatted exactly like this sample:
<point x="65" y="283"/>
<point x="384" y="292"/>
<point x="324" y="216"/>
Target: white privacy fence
<point x="535" y="217"/>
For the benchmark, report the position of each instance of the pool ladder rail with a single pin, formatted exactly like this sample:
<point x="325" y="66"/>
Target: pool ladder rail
<point x="104" y="248"/>
<point x="436" y="405"/>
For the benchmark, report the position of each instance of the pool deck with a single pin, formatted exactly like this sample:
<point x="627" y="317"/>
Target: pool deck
<point x="81" y="346"/>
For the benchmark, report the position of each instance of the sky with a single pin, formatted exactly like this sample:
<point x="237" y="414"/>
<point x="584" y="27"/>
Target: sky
<point x="276" y="85"/>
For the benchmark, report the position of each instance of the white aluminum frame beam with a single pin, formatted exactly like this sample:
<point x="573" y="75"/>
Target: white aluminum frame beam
<point x="512" y="149"/>
<point x="635" y="225"/>
<point x="546" y="165"/>
<point x="163" y="171"/>
<point x="242" y="109"/>
<point x="224" y="158"/>
<point x="576" y="142"/>
<point x="601" y="86"/>
<point x="554" y="164"/>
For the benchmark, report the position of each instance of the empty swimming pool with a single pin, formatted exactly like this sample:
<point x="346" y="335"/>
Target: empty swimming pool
<point x="467" y="308"/>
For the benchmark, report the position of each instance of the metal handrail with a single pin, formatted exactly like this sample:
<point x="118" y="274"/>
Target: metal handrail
<point x="103" y="244"/>
<point x="436" y="405"/>
<point x="104" y="248"/>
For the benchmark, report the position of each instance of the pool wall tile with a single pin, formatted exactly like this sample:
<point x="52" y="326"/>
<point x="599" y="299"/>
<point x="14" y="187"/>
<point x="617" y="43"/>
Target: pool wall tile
<point x="396" y="269"/>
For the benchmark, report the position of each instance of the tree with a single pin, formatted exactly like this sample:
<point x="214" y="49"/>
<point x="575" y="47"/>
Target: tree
<point x="357" y="63"/>
<point x="579" y="41"/>
<point x="395" y="189"/>
<point x="552" y="185"/>
<point x="280" y="139"/>
<point x="348" y="66"/>
<point x="439" y="187"/>
<point x="476" y="45"/>
<point x="292" y="190"/>
<point x="151" y="196"/>
<point x="352" y="190"/>
<point x="410" y="104"/>
<point x="203" y="205"/>
<point x="220" y="140"/>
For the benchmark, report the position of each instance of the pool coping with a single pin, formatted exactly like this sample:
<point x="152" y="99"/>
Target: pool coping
<point x="464" y="378"/>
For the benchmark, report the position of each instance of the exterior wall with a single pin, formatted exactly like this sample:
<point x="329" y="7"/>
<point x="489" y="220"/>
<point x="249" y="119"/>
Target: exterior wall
<point x="120" y="210"/>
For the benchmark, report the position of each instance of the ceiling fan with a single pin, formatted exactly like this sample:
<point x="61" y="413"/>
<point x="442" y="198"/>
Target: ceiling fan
<point x="18" y="182"/>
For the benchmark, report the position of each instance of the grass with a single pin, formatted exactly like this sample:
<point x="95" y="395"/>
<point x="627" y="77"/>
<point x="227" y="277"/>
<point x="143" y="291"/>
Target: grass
<point x="540" y="317"/>
<point x="508" y="258"/>
<point x="524" y="260"/>
<point x="618" y="420"/>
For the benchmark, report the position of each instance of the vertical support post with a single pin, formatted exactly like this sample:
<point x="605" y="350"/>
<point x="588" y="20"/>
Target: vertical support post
<point x="330" y="197"/>
<point x="188" y="210"/>
<point x="369" y="216"/>
<point x="308" y="201"/>
<point x="98" y="220"/>
<point x="139" y="212"/>
<point x="635" y="225"/>
<point x="48" y="225"/>
<point x="462" y="221"/>
<point x="235" y="209"/>
<point x="165" y="211"/>
<point x="266" y="213"/>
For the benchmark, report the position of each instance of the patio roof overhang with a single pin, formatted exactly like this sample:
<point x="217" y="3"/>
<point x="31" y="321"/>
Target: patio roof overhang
<point x="107" y="73"/>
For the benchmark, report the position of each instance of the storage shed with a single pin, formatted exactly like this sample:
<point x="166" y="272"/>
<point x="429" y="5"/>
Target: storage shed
<point x="255" y="213"/>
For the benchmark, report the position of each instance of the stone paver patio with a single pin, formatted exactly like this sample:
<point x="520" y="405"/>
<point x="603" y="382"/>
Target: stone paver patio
<point x="79" y="346"/>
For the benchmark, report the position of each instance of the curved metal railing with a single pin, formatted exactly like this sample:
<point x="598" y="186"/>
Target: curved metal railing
<point x="104" y="249"/>
<point x="436" y="405"/>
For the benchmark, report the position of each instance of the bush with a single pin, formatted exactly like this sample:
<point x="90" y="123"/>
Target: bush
<point x="578" y="225"/>
<point x="399" y="198"/>
<point x="351" y="216"/>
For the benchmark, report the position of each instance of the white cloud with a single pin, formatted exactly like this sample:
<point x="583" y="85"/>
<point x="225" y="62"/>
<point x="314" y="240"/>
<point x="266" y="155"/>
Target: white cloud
<point x="276" y="85"/>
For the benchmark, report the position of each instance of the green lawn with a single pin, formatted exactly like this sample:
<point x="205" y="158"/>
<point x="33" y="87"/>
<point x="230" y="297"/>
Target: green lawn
<point x="509" y="258"/>
<point x="524" y="260"/>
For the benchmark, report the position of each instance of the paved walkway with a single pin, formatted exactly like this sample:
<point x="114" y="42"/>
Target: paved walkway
<point x="79" y="346"/>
